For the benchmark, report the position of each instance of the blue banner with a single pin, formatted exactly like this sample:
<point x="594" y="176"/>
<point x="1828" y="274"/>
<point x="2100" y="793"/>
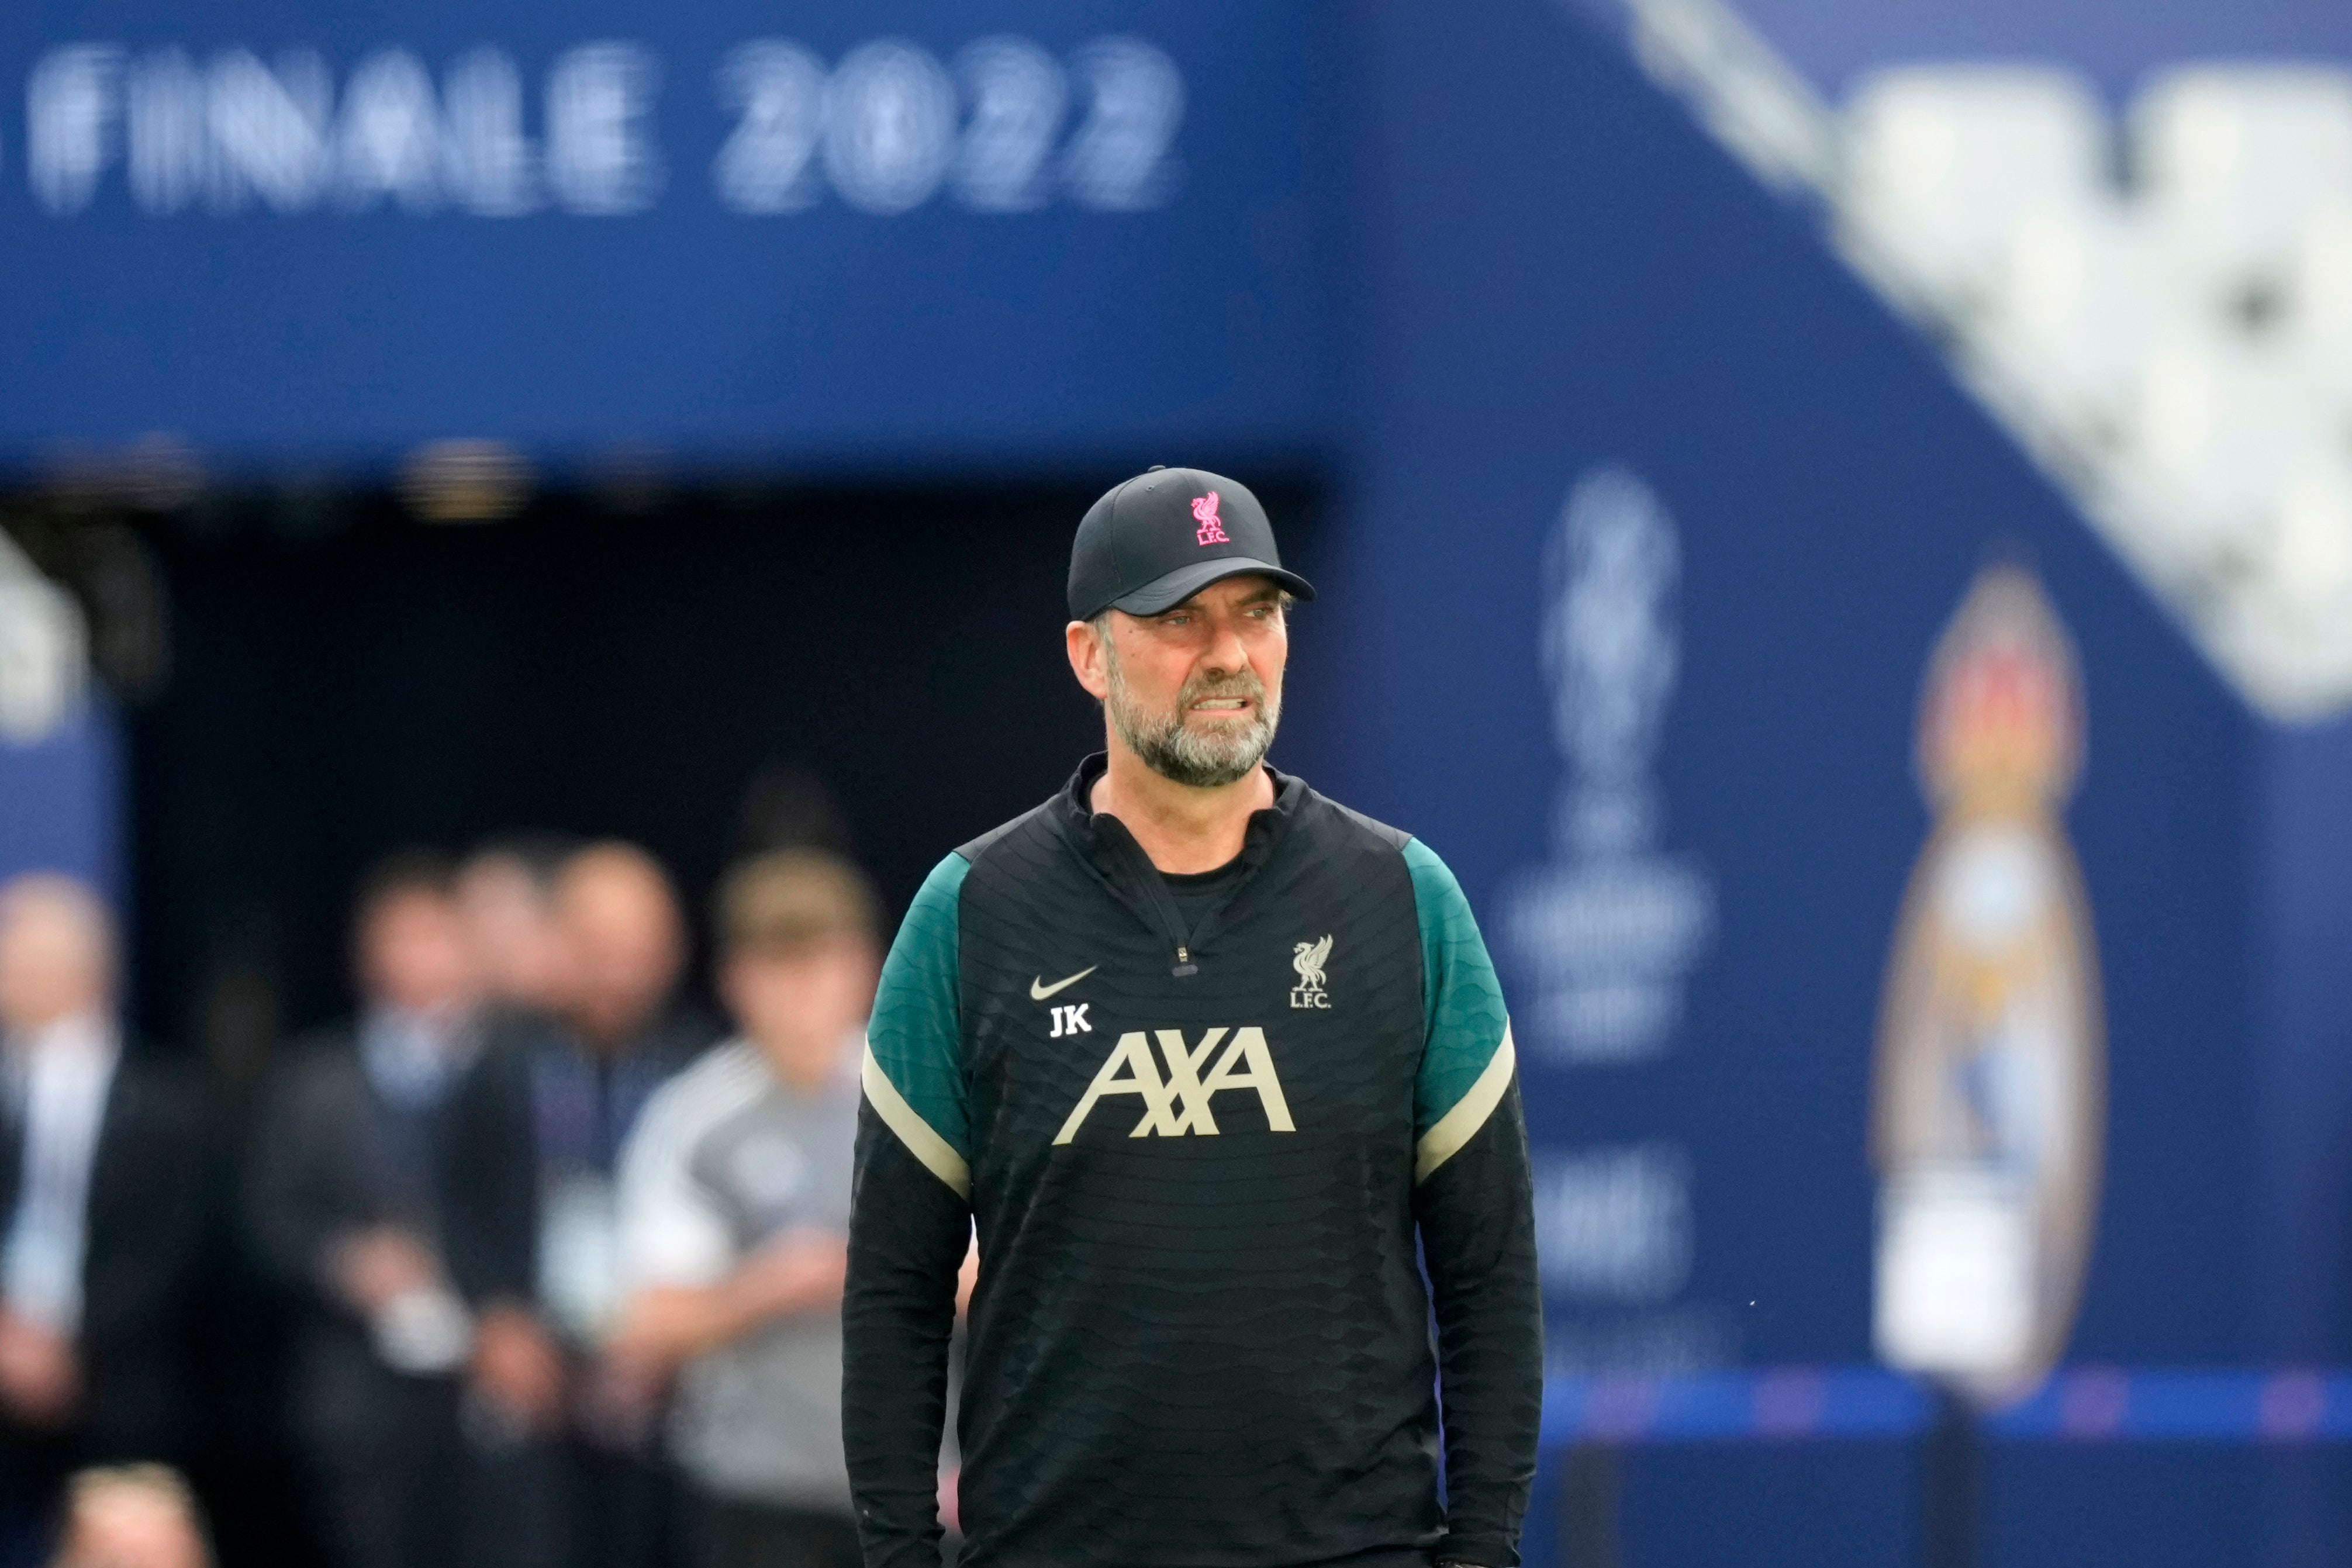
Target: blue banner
<point x="832" y="236"/>
<point x="61" y="798"/>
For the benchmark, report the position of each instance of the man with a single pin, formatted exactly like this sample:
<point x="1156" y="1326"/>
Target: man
<point x="536" y="1134"/>
<point x="103" y="1176"/>
<point x="347" y="1205"/>
<point x="735" y="1222"/>
<point x="1207" y="1058"/>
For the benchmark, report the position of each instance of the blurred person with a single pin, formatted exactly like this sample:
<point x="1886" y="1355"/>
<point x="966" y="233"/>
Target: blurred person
<point x="537" y="1134"/>
<point x="1223" y="1072"/>
<point x="734" y="1205"/>
<point x="506" y="892"/>
<point x="345" y="1198"/>
<point x="104" y="1181"/>
<point x="131" y="1516"/>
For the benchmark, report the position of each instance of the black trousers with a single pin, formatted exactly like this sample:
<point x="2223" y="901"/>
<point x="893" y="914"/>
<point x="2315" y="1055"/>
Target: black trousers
<point x="570" y="1504"/>
<point x="391" y="1508"/>
<point x="399" y="1497"/>
<point x="724" y="1532"/>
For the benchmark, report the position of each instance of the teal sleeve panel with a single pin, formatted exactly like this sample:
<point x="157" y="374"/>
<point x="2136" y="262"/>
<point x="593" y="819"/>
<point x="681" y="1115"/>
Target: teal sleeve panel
<point x="1462" y="1002"/>
<point x="915" y="1040"/>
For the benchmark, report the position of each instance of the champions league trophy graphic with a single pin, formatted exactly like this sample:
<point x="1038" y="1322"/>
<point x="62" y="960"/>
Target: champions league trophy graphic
<point x="1989" y="1093"/>
<point x="1609" y="927"/>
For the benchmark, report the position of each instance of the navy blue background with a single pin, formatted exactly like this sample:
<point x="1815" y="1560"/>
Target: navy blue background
<point x="1836" y="495"/>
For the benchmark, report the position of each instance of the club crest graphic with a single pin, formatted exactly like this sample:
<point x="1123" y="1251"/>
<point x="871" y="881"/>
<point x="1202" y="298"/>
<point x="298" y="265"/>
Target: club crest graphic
<point x="1309" y="959"/>
<point x="1606" y="931"/>
<point x="1212" y="527"/>
<point x="1989" y="1092"/>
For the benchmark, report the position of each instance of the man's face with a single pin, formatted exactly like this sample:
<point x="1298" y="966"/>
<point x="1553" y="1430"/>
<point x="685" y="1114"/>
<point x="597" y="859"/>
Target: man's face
<point x="622" y="943"/>
<point x="53" y="955"/>
<point x="802" y="1003"/>
<point x="509" y="929"/>
<point x="1195" y="691"/>
<point x="413" y="954"/>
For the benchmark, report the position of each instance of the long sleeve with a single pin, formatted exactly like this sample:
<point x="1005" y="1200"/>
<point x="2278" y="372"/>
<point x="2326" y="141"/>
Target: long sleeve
<point x="1475" y="1204"/>
<point x="295" y="1204"/>
<point x="909" y="1224"/>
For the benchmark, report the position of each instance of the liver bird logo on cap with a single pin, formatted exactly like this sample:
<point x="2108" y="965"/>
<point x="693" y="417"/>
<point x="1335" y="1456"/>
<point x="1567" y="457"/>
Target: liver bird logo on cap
<point x="1204" y="512"/>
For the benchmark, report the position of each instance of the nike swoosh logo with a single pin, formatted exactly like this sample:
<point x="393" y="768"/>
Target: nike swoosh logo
<point x="1039" y="990"/>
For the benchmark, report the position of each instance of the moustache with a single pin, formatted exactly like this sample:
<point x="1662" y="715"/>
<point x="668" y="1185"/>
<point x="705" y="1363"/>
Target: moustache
<point x="1200" y="689"/>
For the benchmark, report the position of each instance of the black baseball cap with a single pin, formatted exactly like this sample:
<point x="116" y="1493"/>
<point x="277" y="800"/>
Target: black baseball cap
<point x="1163" y="536"/>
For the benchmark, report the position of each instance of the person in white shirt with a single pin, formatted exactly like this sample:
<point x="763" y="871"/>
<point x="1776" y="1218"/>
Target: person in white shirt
<point x="104" y="1181"/>
<point x="734" y="1216"/>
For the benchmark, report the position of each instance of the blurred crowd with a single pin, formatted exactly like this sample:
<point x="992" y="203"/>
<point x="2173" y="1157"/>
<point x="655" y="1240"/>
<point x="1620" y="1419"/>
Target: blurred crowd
<point x="551" y="1261"/>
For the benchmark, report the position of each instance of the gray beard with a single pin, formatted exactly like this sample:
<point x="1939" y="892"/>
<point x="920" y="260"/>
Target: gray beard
<point x="1186" y="757"/>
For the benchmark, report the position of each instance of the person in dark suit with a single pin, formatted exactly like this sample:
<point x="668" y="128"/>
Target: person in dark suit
<point x="346" y="1205"/>
<point x="536" y="1134"/>
<point x="104" y="1183"/>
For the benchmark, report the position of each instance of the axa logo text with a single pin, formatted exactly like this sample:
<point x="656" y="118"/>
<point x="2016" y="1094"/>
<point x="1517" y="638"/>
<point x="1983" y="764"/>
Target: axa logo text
<point x="1177" y="1103"/>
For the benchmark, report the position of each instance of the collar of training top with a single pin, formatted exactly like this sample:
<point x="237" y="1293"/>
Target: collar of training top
<point x="1106" y="847"/>
<point x="1099" y="836"/>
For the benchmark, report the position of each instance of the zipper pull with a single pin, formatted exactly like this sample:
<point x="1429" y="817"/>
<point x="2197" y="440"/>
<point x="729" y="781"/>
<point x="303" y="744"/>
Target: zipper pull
<point x="1184" y="964"/>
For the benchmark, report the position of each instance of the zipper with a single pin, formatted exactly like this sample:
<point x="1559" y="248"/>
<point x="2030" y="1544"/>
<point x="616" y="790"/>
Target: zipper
<point x="1171" y="919"/>
<point x="1147" y="879"/>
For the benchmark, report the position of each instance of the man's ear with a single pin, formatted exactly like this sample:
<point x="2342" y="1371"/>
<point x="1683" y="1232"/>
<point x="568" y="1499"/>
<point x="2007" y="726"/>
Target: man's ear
<point x="1089" y="659"/>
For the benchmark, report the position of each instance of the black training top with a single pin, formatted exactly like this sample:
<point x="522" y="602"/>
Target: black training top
<point x="1199" y="1147"/>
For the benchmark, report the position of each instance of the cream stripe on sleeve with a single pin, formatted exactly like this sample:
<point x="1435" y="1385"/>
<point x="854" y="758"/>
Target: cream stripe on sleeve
<point x="1457" y="1126"/>
<point x="938" y="1156"/>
